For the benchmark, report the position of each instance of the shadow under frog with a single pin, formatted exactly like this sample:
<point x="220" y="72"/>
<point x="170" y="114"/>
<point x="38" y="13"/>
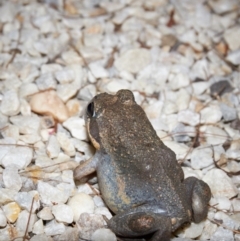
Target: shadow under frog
<point x="139" y="177"/>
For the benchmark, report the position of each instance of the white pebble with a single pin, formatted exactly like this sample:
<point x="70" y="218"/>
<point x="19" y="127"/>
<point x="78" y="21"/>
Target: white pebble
<point x="45" y="214"/>
<point x="27" y="89"/>
<point x="200" y="87"/>
<point x="103" y="234"/>
<point x="77" y="127"/>
<point x="54" y="228"/>
<point x="97" y="70"/>
<point x="194" y="230"/>
<point x="20" y="156"/>
<point x="103" y="211"/>
<point x="81" y="203"/>
<point x="231" y="36"/>
<point x="3" y="219"/>
<point x="222" y="234"/>
<point x="10" y="104"/>
<point x="22" y="221"/>
<point x="65" y="76"/>
<point x="41" y="237"/>
<point x="133" y="60"/>
<point x="24" y="200"/>
<point x="50" y="194"/>
<point x="179" y="149"/>
<point x="117" y="84"/>
<point x="53" y="147"/>
<point x="6" y="195"/>
<point x="234" y="57"/>
<point x="63" y="213"/>
<point x="220" y="184"/>
<point x="211" y="114"/>
<point x="66" y="144"/>
<point x="178" y="81"/>
<point x="11" y="178"/>
<point x="236" y="205"/>
<point x="26" y="124"/>
<point x="201" y="157"/>
<point x="222" y="203"/>
<point x="189" y="117"/>
<point x="38" y="227"/>
<point x="46" y="81"/>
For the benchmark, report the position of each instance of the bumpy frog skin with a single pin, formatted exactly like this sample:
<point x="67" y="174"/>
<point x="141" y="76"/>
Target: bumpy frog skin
<point x="139" y="177"/>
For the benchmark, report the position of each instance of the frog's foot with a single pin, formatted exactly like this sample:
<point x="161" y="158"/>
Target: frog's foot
<point x="200" y="194"/>
<point x="137" y="223"/>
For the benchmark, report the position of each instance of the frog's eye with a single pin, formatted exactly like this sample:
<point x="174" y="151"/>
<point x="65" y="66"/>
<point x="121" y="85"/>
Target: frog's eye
<point x="90" y="110"/>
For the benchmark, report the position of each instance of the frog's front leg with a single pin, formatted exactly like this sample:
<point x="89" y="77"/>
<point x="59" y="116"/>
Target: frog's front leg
<point x="140" y="221"/>
<point x="86" y="167"/>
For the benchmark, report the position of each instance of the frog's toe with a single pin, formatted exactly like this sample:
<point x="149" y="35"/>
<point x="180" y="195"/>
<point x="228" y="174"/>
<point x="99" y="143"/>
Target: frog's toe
<point x="201" y="194"/>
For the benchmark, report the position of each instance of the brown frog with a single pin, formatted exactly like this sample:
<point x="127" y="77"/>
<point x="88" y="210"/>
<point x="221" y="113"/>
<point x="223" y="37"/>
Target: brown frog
<point x="139" y="177"/>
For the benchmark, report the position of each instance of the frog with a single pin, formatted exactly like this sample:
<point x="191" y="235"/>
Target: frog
<point x="139" y="177"/>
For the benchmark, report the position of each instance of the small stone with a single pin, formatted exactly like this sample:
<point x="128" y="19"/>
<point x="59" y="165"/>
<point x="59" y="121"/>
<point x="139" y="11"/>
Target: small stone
<point x="221" y="87"/>
<point x="50" y="194"/>
<point x="200" y="87"/>
<point x="45" y="214"/>
<point x="234" y="57"/>
<point x="212" y="134"/>
<point x="20" y="156"/>
<point x="38" y="227"/>
<point x="30" y="139"/>
<point x="201" y="157"/>
<point x="69" y="234"/>
<point x="103" y="211"/>
<point x="46" y="81"/>
<point x="63" y="213"/>
<point x="25" y="199"/>
<point x="98" y="71"/>
<point x="67" y="91"/>
<point x="11" y="131"/>
<point x="11" y="211"/>
<point x="66" y="144"/>
<point x="169" y="107"/>
<point x="48" y="103"/>
<point x="54" y="228"/>
<point x="208" y="230"/>
<point x="53" y="147"/>
<point x="77" y="127"/>
<point x="133" y="60"/>
<point x="229" y="113"/>
<point x="28" y="89"/>
<point x="222" y="203"/>
<point x="87" y="92"/>
<point x="10" y="104"/>
<point x="222" y="234"/>
<point x="236" y="205"/>
<point x="189" y="117"/>
<point x="26" y="124"/>
<point x="211" y="114"/>
<point x="11" y="178"/>
<point x="3" y="219"/>
<point x="22" y="221"/>
<point x="41" y="237"/>
<point x="183" y="133"/>
<point x="221" y="6"/>
<point x="194" y="230"/>
<point x="231" y="36"/>
<point x="103" y="234"/>
<point x="115" y="85"/>
<point x="81" y="203"/>
<point x="178" y="81"/>
<point x="88" y="224"/>
<point x="6" y="195"/>
<point x="220" y="184"/>
<point x="180" y="149"/>
<point x="65" y="76"/>
<point x="183" y="99"/>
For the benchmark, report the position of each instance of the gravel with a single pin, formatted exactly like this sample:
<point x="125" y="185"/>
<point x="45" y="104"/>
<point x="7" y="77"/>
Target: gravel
<point x="181" y="60"/>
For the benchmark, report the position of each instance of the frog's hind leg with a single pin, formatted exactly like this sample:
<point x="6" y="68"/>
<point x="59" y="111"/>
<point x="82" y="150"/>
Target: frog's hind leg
<point x="199" y="194"/>
<point x="137" y="222"/>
